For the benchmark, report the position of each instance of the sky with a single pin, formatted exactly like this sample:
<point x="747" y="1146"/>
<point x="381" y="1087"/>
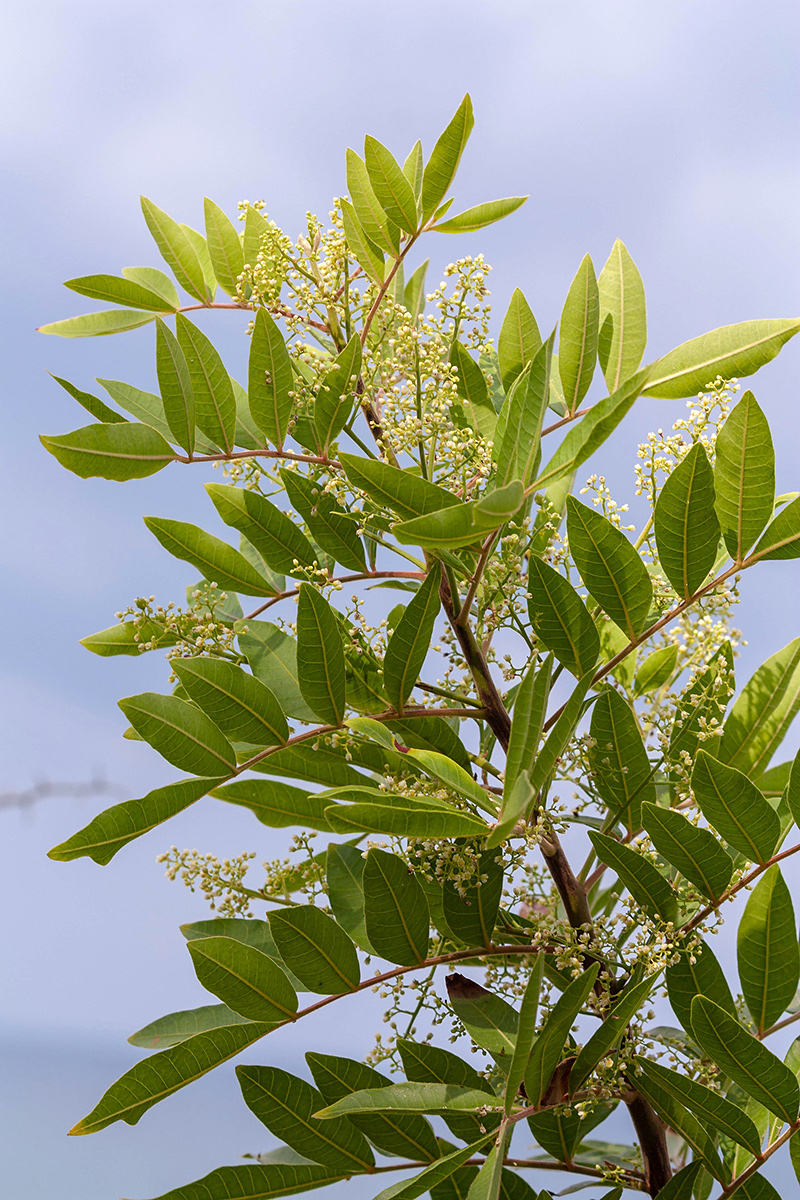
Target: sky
<point x="672" y="126"/>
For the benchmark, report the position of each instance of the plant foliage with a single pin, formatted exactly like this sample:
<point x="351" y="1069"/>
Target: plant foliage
<point x="412" y="640"/>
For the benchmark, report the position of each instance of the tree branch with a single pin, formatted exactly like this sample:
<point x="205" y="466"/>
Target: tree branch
<point x="338" y="579"/>
<point x="651" y="1133"/>
<point x="701" y="916"/>
<point x="658" y="625"/>
<point x="497" y="716"/>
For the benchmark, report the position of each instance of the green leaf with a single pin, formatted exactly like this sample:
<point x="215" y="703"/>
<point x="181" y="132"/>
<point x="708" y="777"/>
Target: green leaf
<point x="410" y="641"/>
<point x="620" y="768"/>
<point x="345" y="879"/>
<point x="763" y="712"/>
<point x="92" y="404"/>
<point x="749" y="1063"/>
<point x="592" y="430"/>
<point x="272" y="655"/>
<point x="315" y="763"/>
<point x="577" y="344"/>
<point x="428" y="1178"/>
<point x="767" y="952"/>
<point x="435" y="1098"/>
<point x="286" y="1104"/>
<point x="178" y="1026"/>
<point x="122" y="823"/>
<point x="408" y="820"/>
<point x="782" y="537"/>
<point x="414" y="293"/>
<point x="315" y="949"/>
<point x="118" y="291"/>
<point x="649" y="888"/>
<point x="681" y="1186"/>
<point x="464" y="525"/>
<point x="431" y="733"/>
<point x="334" y="400"/>
<point x="412" y="168"/>
<point x="424" y="1063"/>
<point x="244" y="978"/>
<point x="239" y="704"/>
<point x="147" y="407"/>
<point x="395" y="910"/>
<point x="610" y="567"/>
<point x="693" y="850"/>
<point x="674" y="1114"/>
<point x="697" y="974"/>
<point x="126" y="637"/>
<point x="734" y="351"/>
<point x="404" y="493"/>
<point x="521" y="418"/>
<point x="560" y="618"/>
<point x="242" y="929"/>
<point x="519" y="339"/>
<point x="277" y="804"/>
<point x="256" y="228"/>
<point x="177" y="250"/>
<point x="735" y="807"/>
<point x="560" y="735"/>
<point x="527" y="721"/>
<point x="442" y="166"/>
<point x="471" y="913"/>
<point x="516" y="804"/>
<point x="224" y="247"/>
<point x="372" y="218"/>
<point x="283" y="546"/>
<point x="180" y="733"/>
<point x="613" y="1028"/>
<point x="175" y="386"/>
<point x="395" y="194"/>
<point x="792" y="791"/>
<point x="549" y="1045"/>
<point x="476" y="409"/>
<point x="481" y="215"/>
<point x="408" y="1136"/>
<point x="656" y="670"/>
<point x="759" y="1188"/>
<point x="320" y="656"/>
<point x="623" y="317"/>
<point x="270" y="379"/>
<point x="744" y="476"/>
<point x="258" y="1182"/>
<point x="453" y="776"/>
<point x="489" y="1020"/>
<point x="706" y="1104"/>
<point x="120" y="451"/>
<point x="216" y="560"/>
<point x="363" y="250"/>
<point x="686" y="526"/>
<point x="98" y="324"/>
<point x="154" y="281"/>
<point x="156" y="1077"/>
<point x="526" y="1031"/>
<point x="215" y="404"/>
<point x="328" y="523"/>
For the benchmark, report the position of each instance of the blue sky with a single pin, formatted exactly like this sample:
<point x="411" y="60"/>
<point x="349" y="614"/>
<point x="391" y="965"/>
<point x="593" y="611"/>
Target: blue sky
<point x="673" y="126"/>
